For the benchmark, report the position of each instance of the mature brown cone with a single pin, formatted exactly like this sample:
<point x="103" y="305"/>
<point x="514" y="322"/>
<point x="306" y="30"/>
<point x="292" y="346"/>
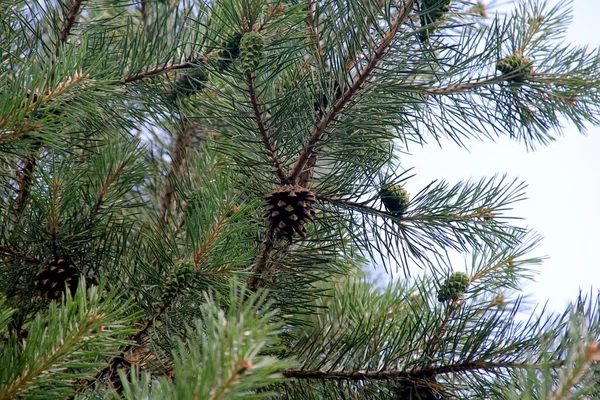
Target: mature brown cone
<point x="288" y="208"/>
<point x="52" y="280"/>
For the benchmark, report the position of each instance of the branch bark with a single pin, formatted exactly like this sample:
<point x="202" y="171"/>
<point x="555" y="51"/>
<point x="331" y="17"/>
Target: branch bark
<point x="25" y="178"/>
<point x="269" y="147"/>
<point x="64" y="33"/>
<point x="156" y="71"/>
<point x="416" y="373"/>
<point x="321" y="128"/>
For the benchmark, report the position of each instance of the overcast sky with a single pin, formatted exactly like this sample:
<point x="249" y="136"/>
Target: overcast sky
<point x="563" y="195"/>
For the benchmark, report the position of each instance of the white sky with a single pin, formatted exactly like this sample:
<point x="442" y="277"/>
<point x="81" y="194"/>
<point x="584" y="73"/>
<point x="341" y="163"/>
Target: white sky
<point x="563" y="192"/>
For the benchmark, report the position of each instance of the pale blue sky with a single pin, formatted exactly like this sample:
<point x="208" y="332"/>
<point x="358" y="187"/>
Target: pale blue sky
<point x="564" y="187"/>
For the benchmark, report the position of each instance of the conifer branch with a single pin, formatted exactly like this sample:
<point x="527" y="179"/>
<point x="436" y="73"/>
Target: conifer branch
<point x="349" y="203"/>
<point x="479" y="214"/>
<point x="45" y="362"/>
<point x="213" y="235"/>
<point x="25" y="177"/>
<point x="313" y="33"/>
<point x="11" y="251"/>
<point x="591" y="355"/>
<point x="437" y="336"/>
<point x="261" y="265"/>
<point x="464" y="87"/>
<point x="416" y="373"/>
<point x="135" y="340"/>
<point x="320" y="129"/>
<point x="269" y="147"/>
<point x="66" y="29"/>
<point x="147" y="73"/>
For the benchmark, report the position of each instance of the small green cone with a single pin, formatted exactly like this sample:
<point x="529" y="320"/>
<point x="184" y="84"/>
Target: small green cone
<point x="178" y="281"/>
<point x="454" y="286"/>
<point x="517" y="66"/>
<point x="251" y="48"/>
<point x="395" y="198"/>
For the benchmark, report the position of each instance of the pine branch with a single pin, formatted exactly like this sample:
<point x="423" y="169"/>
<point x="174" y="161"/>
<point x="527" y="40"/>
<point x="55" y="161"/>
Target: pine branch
<point x="135" y="340"/>
<point x="466" y="87"/>
<point x="591" y="355"/>
<point x="64" y="33"/>
<point x="147" y="73"/>
<point x="321" y="127"/>
<point x="63" y="344"/>
<point x="313" y="33"/>
<point x="9" y="250"/>
<point x="416" y="373"/>
<point x="269" y="147"/>
<point x="25" y="178"/>
<point x="261" y="265"/>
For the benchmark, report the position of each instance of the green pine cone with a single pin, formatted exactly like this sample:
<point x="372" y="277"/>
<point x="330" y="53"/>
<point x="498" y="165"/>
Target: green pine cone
<point x="395" y="198"/>
<point x="454" y="286"/>
<point x="517" y="66"/>
<point x="251" y="48"/>
<point x="178" y="281"/>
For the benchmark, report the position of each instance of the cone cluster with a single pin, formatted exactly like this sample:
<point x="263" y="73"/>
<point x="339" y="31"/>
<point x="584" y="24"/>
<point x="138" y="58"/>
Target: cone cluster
<point x="251" y="49"/>
<point x="55" y="278"/>
<point x="395" y="198"/>
<point x="288" y="208"/>
<point x="454" y="286"/>
<point x="517" y="66"/>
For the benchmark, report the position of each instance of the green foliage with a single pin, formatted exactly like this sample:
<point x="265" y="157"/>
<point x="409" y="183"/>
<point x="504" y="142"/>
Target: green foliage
<point x="169" y="152"/>
<point x="64" y="343"/>
<point x="454" y="286"/>
<point x="251" y="48"/>
<point x="224" y="355"/>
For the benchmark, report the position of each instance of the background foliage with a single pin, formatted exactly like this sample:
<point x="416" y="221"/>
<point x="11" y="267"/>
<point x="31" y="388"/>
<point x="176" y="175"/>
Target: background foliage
<point x="144" y="147"/>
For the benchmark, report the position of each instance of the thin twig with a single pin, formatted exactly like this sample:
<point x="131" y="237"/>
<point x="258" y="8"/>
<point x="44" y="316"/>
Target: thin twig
<point x="320" y="129"/>
<point x="134" y="340"/>
<point x="313" y="33"/>
<point x="64" y="33"/>
<point x="25" y="178"/>
<point x="269" y="147"/>
<point x="156" y="71"/>
<point x="462" y="87"/>
<point x="11" y="251"/>
<point x="261" y="265"/>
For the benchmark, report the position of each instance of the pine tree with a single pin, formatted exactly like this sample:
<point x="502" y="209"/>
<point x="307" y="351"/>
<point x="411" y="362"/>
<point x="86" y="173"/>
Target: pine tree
<point x="193" y="191"/>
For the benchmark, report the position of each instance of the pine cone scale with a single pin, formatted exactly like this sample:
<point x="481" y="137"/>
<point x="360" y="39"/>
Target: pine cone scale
<point x="288" y="208"/>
